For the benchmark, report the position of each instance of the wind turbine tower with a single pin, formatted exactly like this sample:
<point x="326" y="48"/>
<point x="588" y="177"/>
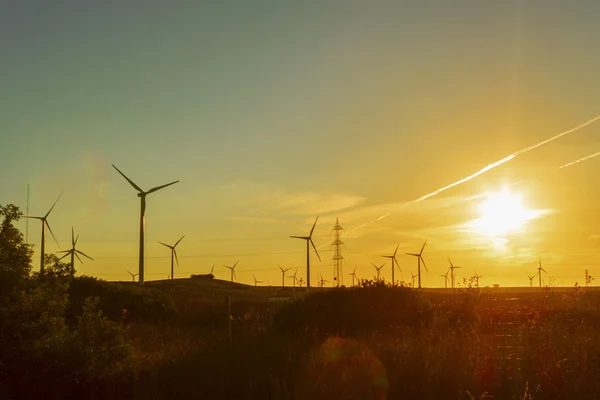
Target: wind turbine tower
<point x="337" y="259"/>
<point x="540" y="269"/>
<point x="45" y="224"/>
<point x="309" y="240"/>
<point x="142" y="195"/>
<point x="283" y="271"/>
<point x="232" y="269"/>
<point x="452" y="275"/>
<point x="531" y="278"/>
<point x="353" y="274"/>
<point x="419" y="256"/>
<point x="173" y="253"/>
<point x="394" y="261"/>
<point x="378" y="269"/>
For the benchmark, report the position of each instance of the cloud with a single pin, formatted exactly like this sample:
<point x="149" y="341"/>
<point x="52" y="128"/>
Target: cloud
<point x="270" y="197"/>
<point x="257" y="220"/>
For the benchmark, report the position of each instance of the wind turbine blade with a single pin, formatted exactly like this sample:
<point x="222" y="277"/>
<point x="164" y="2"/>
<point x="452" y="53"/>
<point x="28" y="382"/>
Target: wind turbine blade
<point x="67" y="251"/>
<point x="179" y="241"/>
<point x="395" y="251"/>
<point x="52" y="233"/>
<point x="175" y="253"/>
<point x="315" y="247"/>
<point x="76" y="239"/>
<point x="212" y="269"/>
<point x="300" y="237"/>
<point x="73" y="237"/>
<point x="425" y="265"/>
<point x="450" y="262"/>
<point x="136" y="187"/>
<point x="30" y="217"/>
<point x="422" y="248"/>
<point x="77" y="255"/>
<point x="373" y="264"/>
<point x="280" y="267"/>
<point x="154" y="189"/>
<point x="164" y="244"/>
<point x="85" y="255"/>
<point x="236" y="263"/>
<point x="51" y="208"/>
<point x="413" y="254"/>
<point x="313" y="227"/>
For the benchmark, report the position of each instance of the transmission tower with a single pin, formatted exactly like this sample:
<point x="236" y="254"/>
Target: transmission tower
<point x="337" y="259"/>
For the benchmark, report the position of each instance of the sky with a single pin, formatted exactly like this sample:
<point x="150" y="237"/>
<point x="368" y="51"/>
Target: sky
<point x="270" y="113"/>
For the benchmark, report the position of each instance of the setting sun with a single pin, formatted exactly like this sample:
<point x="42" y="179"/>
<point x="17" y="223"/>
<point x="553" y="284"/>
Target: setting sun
<point x="502" y="213"/>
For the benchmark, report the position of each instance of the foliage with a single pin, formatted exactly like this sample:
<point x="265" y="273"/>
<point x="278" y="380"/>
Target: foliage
<point x="15" y="254"/>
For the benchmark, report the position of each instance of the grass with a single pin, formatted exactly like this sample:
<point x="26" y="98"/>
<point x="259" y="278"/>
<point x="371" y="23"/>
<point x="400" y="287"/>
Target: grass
<point x="374" y="342"/>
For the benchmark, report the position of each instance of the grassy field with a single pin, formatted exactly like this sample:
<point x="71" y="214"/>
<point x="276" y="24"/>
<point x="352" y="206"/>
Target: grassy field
<point x="372" y="342"/>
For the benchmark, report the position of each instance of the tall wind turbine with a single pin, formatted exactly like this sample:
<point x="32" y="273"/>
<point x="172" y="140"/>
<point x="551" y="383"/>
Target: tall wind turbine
<point x="452" y="275"/>
<point x="142" y="196"/>
<point x="446" y="279"/>
<point x="45" y="224"/>
<point x="419" y="259"/>
<point x="283" y="271"/>
<point x="232" y="269"/>
<point x="413" y="276"/>
<point x="309" y="240"/>
<point x="256" y="282"/>
<point x="531" y="278"/>
<point x="353" y="274"/>
<point x="132" y="276"/>
<point x="540" y="269"/>
<point x="378" y="269"/>
<point x="393" y="258"/>
<point x="173" y="253"/>
<point x="74" y="252"/>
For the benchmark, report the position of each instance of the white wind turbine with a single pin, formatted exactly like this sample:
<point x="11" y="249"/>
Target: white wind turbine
<point x="309" y="240"/>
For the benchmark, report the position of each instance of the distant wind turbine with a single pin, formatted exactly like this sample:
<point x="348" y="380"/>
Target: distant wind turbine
<point x="378" y="269"/>
<point x="309" y="240"/>
<point x="446" y="279"/>
<point x="173" y="253"/>
<point x="142" y="196"/>
<point x="353" y="274"/>
<point x="452" y="274"/>
<point x="322" y="281"/>
<point x="394" y="260"/>
<point x="413" y="276"/>
<point x="132" y="275"/>
<point x="531" y="278"/>
<point x="294" y="278"/>
<point x="232" y="269"/>
<point x="419" y="256"/>
<point x="74" y="252"/>
<point x="283" y="271"/>
<point x="256" y="282"/>
<point x="540" y="269"/>
<point x="45" y="224"/>
<point x="477" y="276"/>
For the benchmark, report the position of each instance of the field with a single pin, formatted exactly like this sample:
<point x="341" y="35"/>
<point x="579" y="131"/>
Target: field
<point x="372" y="342"/>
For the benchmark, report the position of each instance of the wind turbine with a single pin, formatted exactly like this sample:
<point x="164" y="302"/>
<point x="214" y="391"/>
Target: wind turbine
<point x="540" y="269"/>
<point x="322" y="281"/>
<point x="212" y="269"/>
<point x="132" y="275"/>
<point x="394" y="260"/>
<point x="283" y="271"/>
<point x="142" y="195"/>
<point x="353" y="274"/>
<point x="74" y="252"/>
<point x="256" y="282"/>
<point x="173" y="253"/>
<point x="452" y="268"/>
<point x="419" y="259"/>
<point x="232" y="269"/>
<point x="413" y="276"/>
<point x="45" y="224"/>
<point x="294" y="277"/>
<point x="309" y="240"/>
<point x="477" y="276"/>
<point x="446" y="279"/>
<point x="378" y="270"/>
<point x="531" y="278"/>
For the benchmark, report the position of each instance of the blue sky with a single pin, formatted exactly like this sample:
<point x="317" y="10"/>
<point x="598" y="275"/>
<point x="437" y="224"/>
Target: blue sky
<point x="271" y="112"/>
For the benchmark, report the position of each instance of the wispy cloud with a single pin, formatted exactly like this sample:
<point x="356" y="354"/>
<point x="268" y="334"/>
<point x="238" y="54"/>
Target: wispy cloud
<point x="257" y="220"/>
<point x="580" y="160"/>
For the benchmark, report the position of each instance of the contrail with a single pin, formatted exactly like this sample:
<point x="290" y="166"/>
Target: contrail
<point x="489" y="167"/>
<point x="580" y="160"/>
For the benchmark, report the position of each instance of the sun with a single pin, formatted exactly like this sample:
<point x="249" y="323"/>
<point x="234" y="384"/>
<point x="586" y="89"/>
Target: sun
<point x="502" y="213"/>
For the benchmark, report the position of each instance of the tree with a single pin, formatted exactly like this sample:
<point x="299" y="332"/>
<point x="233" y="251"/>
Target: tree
<point x="15" y="254"/>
